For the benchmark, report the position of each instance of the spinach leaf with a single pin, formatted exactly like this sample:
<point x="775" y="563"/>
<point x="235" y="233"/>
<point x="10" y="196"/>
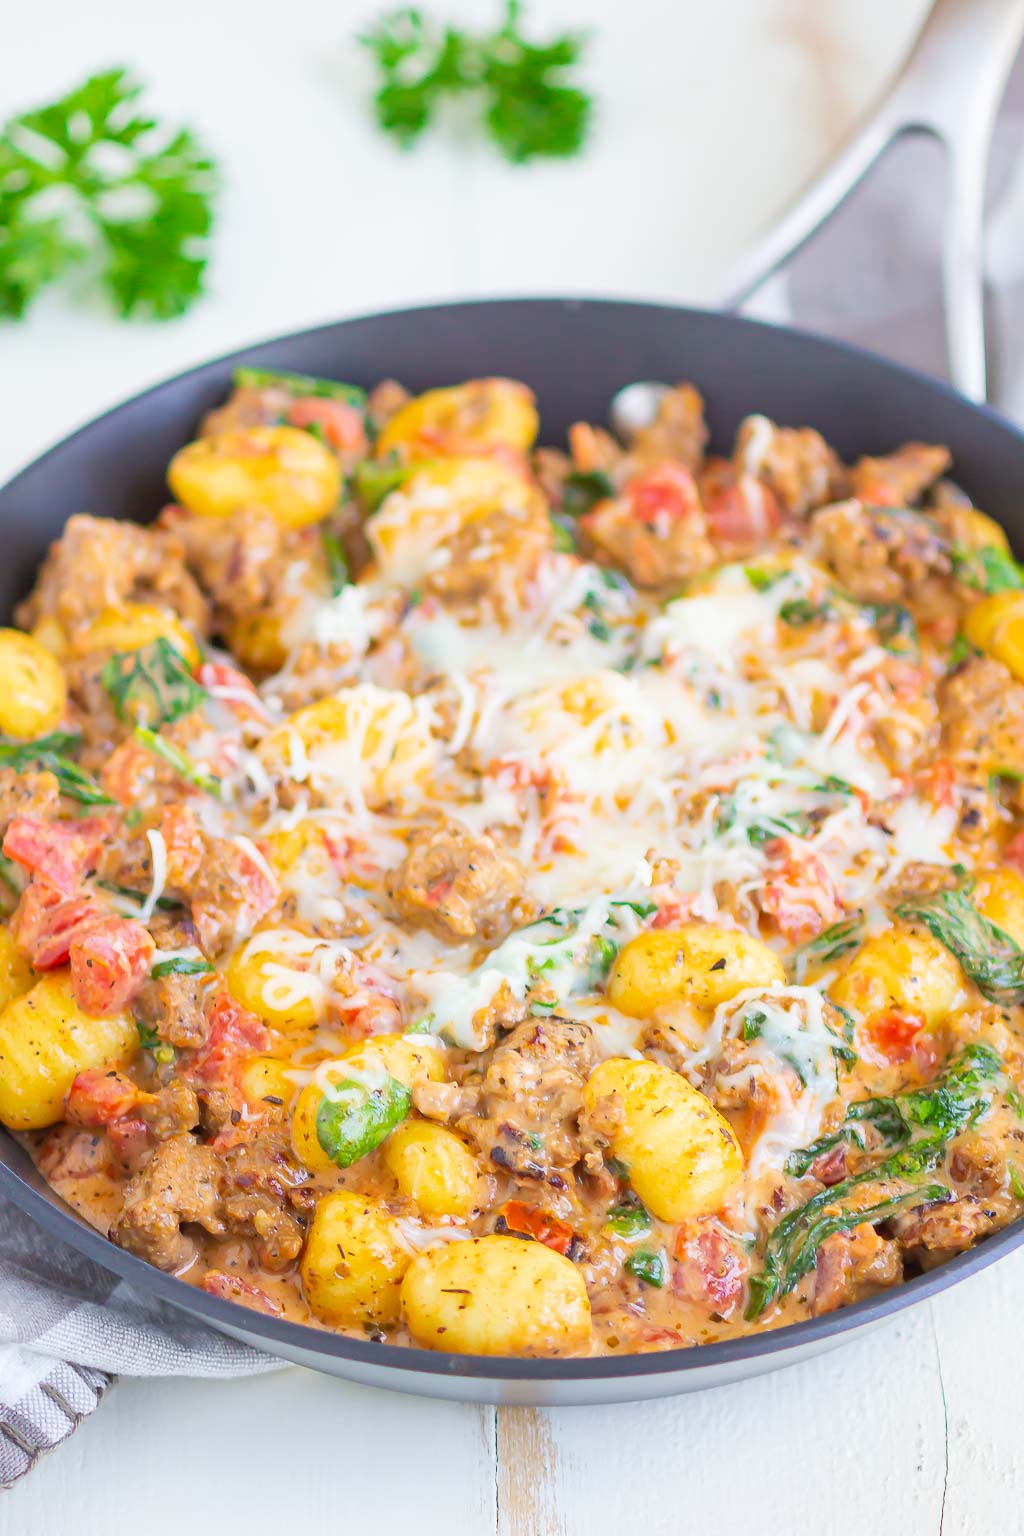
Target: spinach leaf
<point x="50" y="753"/>
<point x="354" y="1119"/>
<point x="180" y="965"/>
<point x="373" y="479"/>
<point x="628" y="1219"/>
<point x="831" y="944"/>
<point x="991" y="958"/>
<point x="792" y="1252"/>
<point x="957" y="1098"/>
<point x="337" y="564"/>
<point x="584" y="490"/>
<point x="647" y="1266"/>
<point x="298" y="384"/>
<point x="180" y="761"/>
<point x="798" y="612"/>
<point x="151" y="686"/>
<point x="988" y="569"/>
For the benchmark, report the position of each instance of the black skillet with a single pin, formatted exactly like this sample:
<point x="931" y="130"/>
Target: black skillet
<point x="575" y="354"/>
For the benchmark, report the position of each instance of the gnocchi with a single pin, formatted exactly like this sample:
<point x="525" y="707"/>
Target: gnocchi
<point x="34" y="694"/>
<point x="286" y="470"/>
<point x="130" y="626"/>
<point x="353" y="1263"/>
<point x="700" y="965"/>
<point x="45" y="1041"/>
<point x="900" y="969"/>
<point x="496" y="1296"/>
<point x="433" y="1167"/>
<point x="485" y="413"/>
<point x="682" y="1157"/>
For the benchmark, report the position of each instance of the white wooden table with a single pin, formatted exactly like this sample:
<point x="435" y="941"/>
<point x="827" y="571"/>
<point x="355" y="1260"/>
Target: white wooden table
<point x="710" y="116"/>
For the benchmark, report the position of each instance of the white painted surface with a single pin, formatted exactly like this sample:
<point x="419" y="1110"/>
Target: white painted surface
<point x="711" y="116"/>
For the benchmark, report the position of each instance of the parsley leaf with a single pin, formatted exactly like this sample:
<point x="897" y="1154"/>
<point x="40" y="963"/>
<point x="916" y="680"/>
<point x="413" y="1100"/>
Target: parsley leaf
<point x="89" y="181"/>
<point x="527" y="108"/>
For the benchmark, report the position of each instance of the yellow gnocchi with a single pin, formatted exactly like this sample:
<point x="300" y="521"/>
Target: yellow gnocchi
<point x="900" y="969"/>
<point x="34" y="694"/>
<point x="16" y="975"/>
<point x="287" y="471"/>
<point x="433" y="1167"/>
<point x="682" y="1156"/>
<point x="496" y="1296"/>
<point x="130" y="626"/>
<point x="699" y="965"/>
<point x="353" y="1263"/>
<point x="45" y="1041"/>
<point x="410" y="1059"/>
<point x="999" y="896"/>
<point x="481" y="414"/>
<point x="271" y="982"/>
<point x="365" y="742"/>
<point x="995" y="625"/>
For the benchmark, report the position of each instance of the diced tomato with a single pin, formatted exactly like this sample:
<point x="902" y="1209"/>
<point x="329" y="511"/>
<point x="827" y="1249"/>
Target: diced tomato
<point x="129" y="1137"/>
<point x="257" y="885"/>
<point x="348" y="856"/>
<point x="110" y="960"/>
<point x="234" y="1034"/>
<point x="538" y="1224"/>
<point x="45" y="923"/>
<point x="128" y="772"/>
<point x="709" y="1267"/>
<point x="936" y="783"/>
<point x="894" y="1033"/>
<point x="341" y="424"/>
<point x="1013" y="853"/>
<point x="233" y="1288"/>
<point x="379" y="1016"/>
<point x="673" y="911"/>
<point x="798" y="893"/>
<point x="663" y="494"/>
<point x="61" y="852"/>
<point x="745" y="512"/>
<point x="233" y="688"/>
<point x="97" y="1097"/>
<point x="877" y="493"/>
<point x="184" y="843"/>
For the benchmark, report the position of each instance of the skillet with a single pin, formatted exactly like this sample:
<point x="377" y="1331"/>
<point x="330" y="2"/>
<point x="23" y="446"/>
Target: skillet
<point x="575" y="354"/>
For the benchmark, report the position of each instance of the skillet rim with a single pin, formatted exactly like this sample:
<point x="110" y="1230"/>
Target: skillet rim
<point x="44" y="1206"/>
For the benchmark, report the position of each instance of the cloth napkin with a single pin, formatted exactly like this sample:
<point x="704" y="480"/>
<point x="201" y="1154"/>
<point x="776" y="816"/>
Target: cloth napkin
<point x="67" y="1328"/>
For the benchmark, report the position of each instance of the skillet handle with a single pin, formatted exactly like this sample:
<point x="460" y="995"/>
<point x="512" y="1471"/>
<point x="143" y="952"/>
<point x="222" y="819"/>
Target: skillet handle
<point x="949" y="88"/>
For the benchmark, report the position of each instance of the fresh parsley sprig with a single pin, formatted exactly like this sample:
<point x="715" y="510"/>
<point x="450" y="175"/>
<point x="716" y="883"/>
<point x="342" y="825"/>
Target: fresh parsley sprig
<point x="90" y="182"/>
<point x="528" y="109"/>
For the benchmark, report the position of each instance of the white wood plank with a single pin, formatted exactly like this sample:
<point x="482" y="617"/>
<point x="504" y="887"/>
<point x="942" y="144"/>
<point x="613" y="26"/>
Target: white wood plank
<point x="981" y="1352"/>
<point x="853" y="1441"/>
<point x="259" y="1456"/>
